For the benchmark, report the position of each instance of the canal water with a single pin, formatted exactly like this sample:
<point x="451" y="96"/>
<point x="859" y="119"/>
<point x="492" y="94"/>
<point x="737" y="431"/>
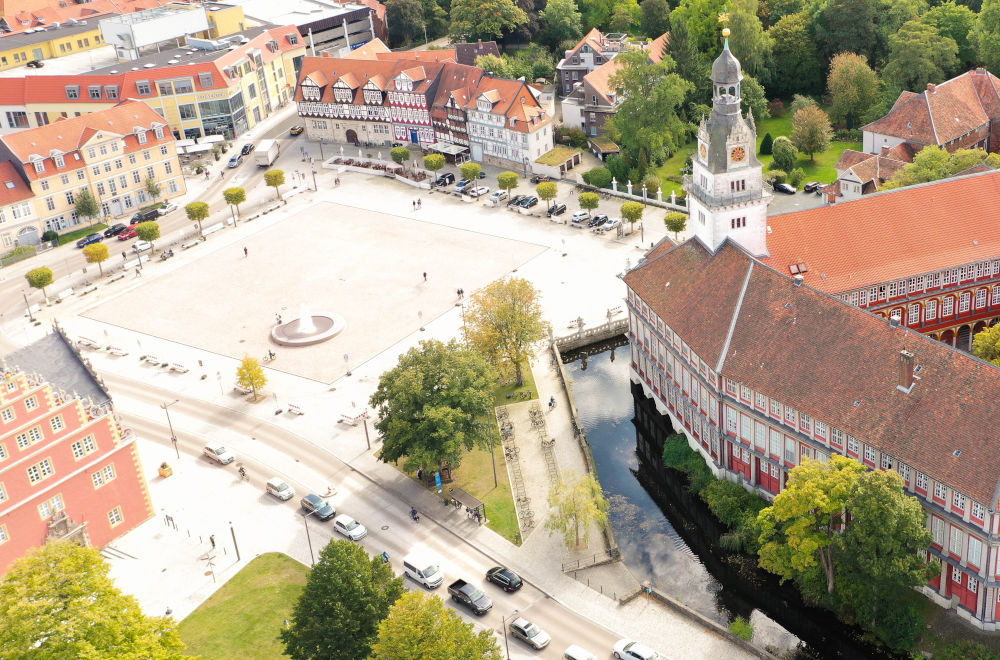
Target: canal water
<point x="670" y="538"/>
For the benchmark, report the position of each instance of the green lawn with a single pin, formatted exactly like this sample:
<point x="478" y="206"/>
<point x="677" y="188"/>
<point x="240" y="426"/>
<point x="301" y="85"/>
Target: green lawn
<point x="510" y="388"/>
<point x="243" y="618"/>
<point x="475" y="476"/>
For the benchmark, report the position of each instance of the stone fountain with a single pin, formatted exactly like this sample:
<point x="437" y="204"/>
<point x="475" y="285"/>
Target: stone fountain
<point x="309" y="328"/>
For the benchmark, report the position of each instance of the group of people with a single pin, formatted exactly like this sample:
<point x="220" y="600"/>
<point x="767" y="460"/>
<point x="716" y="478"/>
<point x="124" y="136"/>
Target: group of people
<point x="416" y="204"/>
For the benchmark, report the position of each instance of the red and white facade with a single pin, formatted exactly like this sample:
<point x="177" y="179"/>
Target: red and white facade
<point x="67" y="471"/>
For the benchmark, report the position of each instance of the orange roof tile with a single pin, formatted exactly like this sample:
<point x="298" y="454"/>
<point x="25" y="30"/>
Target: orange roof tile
<point x="443" y="55"/>
<point x="906" y="232"/>
<point x="13" y="188"/>
<point x="369" y="51"/>
<point x="656" y="48"/>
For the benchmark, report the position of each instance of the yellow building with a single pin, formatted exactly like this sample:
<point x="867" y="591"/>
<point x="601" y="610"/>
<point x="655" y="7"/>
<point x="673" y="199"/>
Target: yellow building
<point x="113" y="153"/>
<point x="19" y="48"/>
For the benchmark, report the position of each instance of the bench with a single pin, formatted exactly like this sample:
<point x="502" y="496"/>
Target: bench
<point x="350" y="420"/>
<point x="242" y="390"/>
<point x="64" y="294"/>
<point x="34" y="309"/>
<point x="190" y="244"/>
<point x="114" y="350"/>
<point x="295" y="410"/>
<point x="214" y="228"/>
<point x="179" y="368"/>
<point x="116" y="277"/>
<point x="89" y="289"/>
<point x="89" y="343"/>
<point x="151" y="359"/>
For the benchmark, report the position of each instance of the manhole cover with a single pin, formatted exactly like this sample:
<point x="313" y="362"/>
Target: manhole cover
<point x="385" y="527"/>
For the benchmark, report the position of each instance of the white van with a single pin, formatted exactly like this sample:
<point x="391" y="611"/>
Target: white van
<point x="424" y="569"/>
<point x="575" y="652"/>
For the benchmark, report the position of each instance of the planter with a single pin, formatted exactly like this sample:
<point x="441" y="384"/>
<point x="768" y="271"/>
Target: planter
<point x="165" y="470"/>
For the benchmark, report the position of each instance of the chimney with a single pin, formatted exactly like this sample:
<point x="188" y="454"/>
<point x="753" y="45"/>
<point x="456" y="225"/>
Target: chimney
<point x="931" y="87"/>
<point x="905" y="371"/>
<point x="885" y="150"/>
<point x="798" y="280"/>
<point x="980" y="71"/>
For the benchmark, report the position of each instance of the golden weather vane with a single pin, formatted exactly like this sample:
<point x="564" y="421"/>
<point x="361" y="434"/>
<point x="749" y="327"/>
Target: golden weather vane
<point x="724" y="19"/>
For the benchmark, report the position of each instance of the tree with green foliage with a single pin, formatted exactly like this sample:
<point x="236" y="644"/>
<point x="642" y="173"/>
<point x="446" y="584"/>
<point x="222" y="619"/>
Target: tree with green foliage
<point x="853" y="87"/>
<point x="148" y="231"/>
<point x="785" y="154"/>
<point x="562" y="21"/>
<point x="577" y="138"/>
<point x="419" y="625"/>
<point x="753" y="98"/>
<point x="39" y="278"/>
<point x="599" y="177"/>
<point x="250" y="374"/>
<point x="484" y="19"/>
<point x="956" y="22"/>
<point x="794" y="49"/>
<point x="547" y="191"/>
<point x="691" y="65"/>
<point x="574" y="506"/>
<point x="470" y="170"/>
<point x="985" y="35"/>
<point x="632" y="213"/>
<point x="701" y="18"/>
<point x="748" y="41"/>
<point x="964" y="649"/>
<point x="766" y="145"/>
<point x="625" y="16"/>
<point x="798" y="531"/>
<point x="655" y="18"/>
<point x="433" y="162"/>
<point x="507" y="181"/>
<point x="153" y="188"/>
<point x="651" y="183"/>
<point x="275" y="178"/>
<point x="346" y="598"/>
<point x="96" y="253"/>
<point x="399" y="155"/>
<point x="86" y="205"/>
<point x="405" y="20"/>
<point x="796" y="176"/>
<point x="676" y="222"/>
<point x="588" y="201"/>
<point x="799" y="102"/>
<point x="647" y="119"/>
<point x="596" y="14"/>
<point x="986" y="344"/>
<point x="436" y="19"/>
<point x="919" y="54"/>
<point x="58" y="601"/>
<point x="811" y="130"/>
<point x="234" y="197"/>
<point x="933" y="163"/>
<point x="850" y="26"/>
<point x="503" y="321"/>
<point x="196" y="212"/>
<point x="433" y="406"/>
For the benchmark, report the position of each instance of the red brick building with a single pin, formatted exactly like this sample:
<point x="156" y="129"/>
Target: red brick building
<point x="68" y="470"/>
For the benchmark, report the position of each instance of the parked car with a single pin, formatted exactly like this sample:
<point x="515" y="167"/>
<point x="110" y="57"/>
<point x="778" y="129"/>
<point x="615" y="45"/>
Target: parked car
<point x="141" y="246"/>
<point x="580" y="216"/>
<point x="128" y="234"/>
<point x="296" y="130"/>
<point x="504" y="578"/>
<point x="626" y="649"/>
<point x="574" y="652"/>
<point x="498" y="196"/>
<point x="218" y="453"/>
<point x="529" y="633"/>
<point x="529" y="201"/>
<point x="88" y="239"/>
<point x="349" y="527"/>
<point x="613" y="223"/>
<point x="144" y="216"/>
<point x="317" y="506"/>
<point x="478" y="191"/>
<point x="167" y="208"/>
<point x="539" y="178"/>
<point x="235" y="161"/>
<point x="813" y="186"/>
<point x="556" y="209"/>
<point x="786" y="188"/>
<point x="445" y="179"/>
<point x="279" y="488"/>
<point x="471" y="596"/>
<point x="114" y="230"/>
<point x="35" y="64"/>
<point x="247" y="149"/>
<point x="462" y="185"/>
<point x="482" y="174"/>
<point x="516" y="200"/>
<point x="597" y="220"/>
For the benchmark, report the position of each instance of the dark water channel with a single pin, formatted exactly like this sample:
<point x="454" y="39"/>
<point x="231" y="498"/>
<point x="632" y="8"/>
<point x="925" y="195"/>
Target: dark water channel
<point x="670" y="538"/>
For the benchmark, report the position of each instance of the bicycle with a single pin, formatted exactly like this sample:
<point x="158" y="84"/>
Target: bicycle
<point x="242" y="472"/>
<point x="511" y="453"/>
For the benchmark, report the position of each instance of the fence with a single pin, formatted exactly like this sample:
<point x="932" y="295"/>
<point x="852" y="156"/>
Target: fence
<point x="592" y="335"/>
<point x="608" y="192"/>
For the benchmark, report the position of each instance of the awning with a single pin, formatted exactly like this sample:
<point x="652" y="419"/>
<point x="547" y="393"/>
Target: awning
<point x="210" y="139"/>
<point x="197" y="148"/>
<point x="466" y="500"/>
<point x="449" y="148"/>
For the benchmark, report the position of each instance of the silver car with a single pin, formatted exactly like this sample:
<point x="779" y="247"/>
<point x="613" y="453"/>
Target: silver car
<point x="349" y="527"/>
<point x="529" y="633"/>
<point x="218" y="453"/>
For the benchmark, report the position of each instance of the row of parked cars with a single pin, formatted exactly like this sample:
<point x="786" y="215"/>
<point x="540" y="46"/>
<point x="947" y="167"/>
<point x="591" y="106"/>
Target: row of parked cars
<point x="126" y="232"/>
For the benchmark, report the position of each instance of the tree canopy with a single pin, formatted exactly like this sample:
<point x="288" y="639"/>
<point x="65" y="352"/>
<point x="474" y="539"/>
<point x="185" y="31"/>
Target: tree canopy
<point x="811" y="130"/>
<point x="96" y="253"/>
<point x="986" y="344"/>
<point x="955" y="22"/>
<point x="853" y="87"/>
<point x="399" y="154"/>
<point x="39" y="278"/>
<point x="933" y="163"/>
<point x="434" y="405"/>
<point x="196" y="212"/>
<point x="507" y="180"/>
<point x="59" y="602"/>
<point x="784" y="152"/>
<point x="251" y="374"/>
<point x="575" y="505"/>
<point x="234" y="197"/>
<point x="433" y="162"/>
<point x="985" y="34"/>
<point x="86" y="205"/>
<point x="547" y="191"/>
<point x="484" y="19"/>
<point x="655" y="17"/>
<point x="346" y="597"/>
<point x="503" y="321"/>
<point x="562" y="21"/>
<point x="919" y="54"/>
<point x="420" y="626"/>
<point x="275" y="178"/>
<point x="794" y="49"/>
<point x="148" y="231"/>
<point x="470" y="170"/>
<point x="676" y="222"/>
<point x="588" y="201"/>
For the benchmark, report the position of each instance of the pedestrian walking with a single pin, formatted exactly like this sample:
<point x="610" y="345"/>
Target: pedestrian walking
<point x="206" y="174"/>
<point x="123" y="255"/>
<point x="222" y="174"/>
<point x="419" y="203"/>
<point x="138" y="271"/>
<point x="414" y="204"/>
<point x="211" y="539"/>
<point x="461" y="293"/>
<point x="425" y="277"/>
<point x="245" y="253"/>
<point x="458" y="292"/>
<point x="420" y="474"/>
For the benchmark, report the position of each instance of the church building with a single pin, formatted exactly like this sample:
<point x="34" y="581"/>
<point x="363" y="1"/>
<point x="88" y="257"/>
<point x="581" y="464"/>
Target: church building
<point x="753" y="340"/>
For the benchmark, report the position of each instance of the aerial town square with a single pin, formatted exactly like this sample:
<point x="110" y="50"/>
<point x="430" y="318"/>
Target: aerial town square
<point x="498" y="329"/>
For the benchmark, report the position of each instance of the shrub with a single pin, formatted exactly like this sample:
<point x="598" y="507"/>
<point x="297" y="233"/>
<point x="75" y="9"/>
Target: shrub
<point x="796" y="176"/>
<point x="50" y="235"/>
<point x="784" y="152"/>
<point x="741" y="628"/>
<point x="577" y="138"/>
<point x="766" y="143"/>
<point x="599" y="177"/>
<point x="776" y="176"/>
<point x="21" y="250"/>
<point x="652" y="183"/>
<point x="848" y="135"/>
<point x="776" y="107"/>
<point x="965" y="649"/>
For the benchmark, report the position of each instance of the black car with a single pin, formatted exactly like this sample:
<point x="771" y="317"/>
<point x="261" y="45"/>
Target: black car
<point x="786" y="188"/>
<point x="35" y="64"/>
<point x="144" y="216"/>
<point x="114" y="230"/>
<point x="504" y="578"/>
<point x="597" y="220"/>
<point x="317" y="506"/>
<point x="248" y="148"/>
<point x="482" y="174"/>
<point x="88" y="239"/>
<point x="529" y="201"/>
<point x="557" y="209"/>
<point x="445" y="179"/>
<point x="516" y="200"/>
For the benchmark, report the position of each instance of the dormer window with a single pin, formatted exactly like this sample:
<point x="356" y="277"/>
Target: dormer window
<point x="60" y="161"/>
<point x="39" y="165"/>
<point x="158" y="130"/>
<point x="141" y="134"/>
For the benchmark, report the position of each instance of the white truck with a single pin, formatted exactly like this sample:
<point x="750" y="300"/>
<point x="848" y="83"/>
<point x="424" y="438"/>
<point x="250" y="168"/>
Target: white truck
<point x="266" y="153"/>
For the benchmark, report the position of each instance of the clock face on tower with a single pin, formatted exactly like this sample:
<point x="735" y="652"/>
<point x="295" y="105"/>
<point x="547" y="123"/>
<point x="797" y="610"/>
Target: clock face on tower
<point x="737" y="154"/>
<point x="703" y="150"/>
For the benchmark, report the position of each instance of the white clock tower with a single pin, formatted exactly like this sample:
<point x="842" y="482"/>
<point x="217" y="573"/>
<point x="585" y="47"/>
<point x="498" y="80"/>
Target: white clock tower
<point x="725" y="191"/>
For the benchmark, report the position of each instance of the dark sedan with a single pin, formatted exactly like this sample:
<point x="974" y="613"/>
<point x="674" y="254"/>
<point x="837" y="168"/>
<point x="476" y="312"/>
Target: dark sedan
<point x="528" y="202"/>
<point x="504" y="578"/>
<point x="786" y="188"/>
<point x="597" y="220"/>
<point x="516" y="200"/>
<point x="248" y="149"/>
<point x="114" y="230"/>
<point x="88" y="239"/>
<point x="813" y="186"/>
<point x="557" y="209"/>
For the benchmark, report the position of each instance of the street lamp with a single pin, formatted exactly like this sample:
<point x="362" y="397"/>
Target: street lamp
<point x="314" y="179"/>
<point x="312" y="559"/>
<point x="31" y="316"/>
<point x="503" y="624"/>
<point x="173" y="437"/>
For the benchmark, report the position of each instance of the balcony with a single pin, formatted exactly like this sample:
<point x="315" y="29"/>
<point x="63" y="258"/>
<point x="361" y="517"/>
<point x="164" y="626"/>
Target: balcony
<point x="711" y="200"/>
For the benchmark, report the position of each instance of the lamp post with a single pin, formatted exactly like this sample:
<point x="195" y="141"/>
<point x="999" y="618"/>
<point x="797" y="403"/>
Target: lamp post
<point x="364" y="418"/>
<point x="312" y="559"/>
<point x="31" y="317"/>
<point x="173" y="437"/>
<point x="314" y="179"/>
<point x="503" y="624"/>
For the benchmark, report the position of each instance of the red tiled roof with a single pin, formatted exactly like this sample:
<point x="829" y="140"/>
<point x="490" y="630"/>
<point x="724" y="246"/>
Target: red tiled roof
<point x="656" y="47"/>
<point x="13" y="188"/>
<point x="443" y="55"/>
<point x="905" y="232"/>
<point x="514" y="100"/>
<point x="850" y="158"/>
<point x="832" y="361"/>
<point x="369" y="51"/>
